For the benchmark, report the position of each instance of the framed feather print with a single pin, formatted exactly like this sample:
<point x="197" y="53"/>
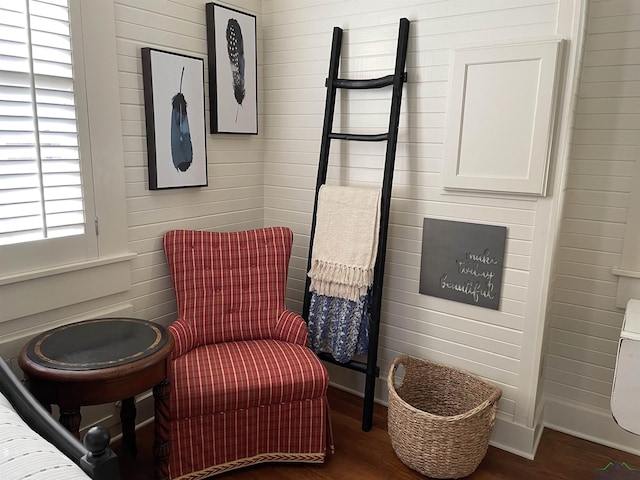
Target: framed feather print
<point x="233" y="79"/>
<point x="175" y="118"/>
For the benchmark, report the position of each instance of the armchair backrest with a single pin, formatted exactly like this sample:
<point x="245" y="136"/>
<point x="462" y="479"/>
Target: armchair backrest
<point x="229" y="285"/>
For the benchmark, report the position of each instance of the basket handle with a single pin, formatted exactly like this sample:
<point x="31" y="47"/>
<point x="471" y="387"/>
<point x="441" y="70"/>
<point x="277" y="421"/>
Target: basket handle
<point x="492" y="420"/>
<point x="491" y="402"/>
<point x="399" y="361"/>
<point x="494" y="410"/>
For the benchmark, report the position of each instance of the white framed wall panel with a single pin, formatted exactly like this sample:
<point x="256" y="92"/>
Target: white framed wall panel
<point x="501" y="112"/>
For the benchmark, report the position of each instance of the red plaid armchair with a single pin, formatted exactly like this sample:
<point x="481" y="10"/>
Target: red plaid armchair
<point x="245" y="389"/>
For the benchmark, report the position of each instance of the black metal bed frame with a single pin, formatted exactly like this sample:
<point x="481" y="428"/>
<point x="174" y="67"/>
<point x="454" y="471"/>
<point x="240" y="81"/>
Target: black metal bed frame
<point x="95" y="457"/>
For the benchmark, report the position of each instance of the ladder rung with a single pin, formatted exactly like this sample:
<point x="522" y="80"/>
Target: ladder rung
<point x="351" y="364"/>
<point x="380" y="137"/>
<point x="367" y="83"/>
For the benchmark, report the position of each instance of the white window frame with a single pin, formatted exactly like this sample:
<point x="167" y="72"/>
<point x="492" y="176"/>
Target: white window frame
<point x="106" y="268"/>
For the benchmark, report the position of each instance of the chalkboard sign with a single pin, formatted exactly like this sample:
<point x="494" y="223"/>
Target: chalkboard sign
<point x="462" y="261"/>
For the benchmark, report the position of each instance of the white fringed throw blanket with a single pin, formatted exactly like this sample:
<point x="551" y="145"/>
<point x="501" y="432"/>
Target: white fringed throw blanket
<point x="345" y="244"/>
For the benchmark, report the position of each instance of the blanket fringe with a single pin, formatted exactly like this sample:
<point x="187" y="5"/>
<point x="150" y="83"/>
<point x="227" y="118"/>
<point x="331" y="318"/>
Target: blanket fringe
<point x="341" y="273"/>
<point x="339" y="280"/>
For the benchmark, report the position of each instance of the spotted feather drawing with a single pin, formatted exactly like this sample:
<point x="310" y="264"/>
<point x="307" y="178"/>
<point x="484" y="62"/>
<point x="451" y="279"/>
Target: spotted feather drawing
<point x="235" y="49"/>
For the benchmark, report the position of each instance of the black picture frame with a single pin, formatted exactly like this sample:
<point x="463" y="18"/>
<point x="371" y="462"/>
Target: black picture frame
<point x="175" y="119"/>
<point x="233" y="66"/>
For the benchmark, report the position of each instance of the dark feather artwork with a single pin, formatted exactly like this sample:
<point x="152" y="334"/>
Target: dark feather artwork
<point x="235" y="49"/>
<point x="181" y="148"/>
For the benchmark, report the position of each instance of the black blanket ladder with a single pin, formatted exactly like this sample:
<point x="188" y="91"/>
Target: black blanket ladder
<point x="396" y="80"/>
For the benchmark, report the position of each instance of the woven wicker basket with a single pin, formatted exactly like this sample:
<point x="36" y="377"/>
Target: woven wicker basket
<point x="440" y="418"/>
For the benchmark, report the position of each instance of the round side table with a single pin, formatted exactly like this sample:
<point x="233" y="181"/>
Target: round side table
<point x="101" y="361"/>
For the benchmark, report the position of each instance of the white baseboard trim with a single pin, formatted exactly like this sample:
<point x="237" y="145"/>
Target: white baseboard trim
<point x="517" y="439"/>
<point x="588" y="423"/>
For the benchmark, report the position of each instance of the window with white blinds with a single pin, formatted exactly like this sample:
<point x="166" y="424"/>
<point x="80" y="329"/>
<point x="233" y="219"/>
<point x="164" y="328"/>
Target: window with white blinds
<point x="57" y="160"/>
<point x="41" y="194"/>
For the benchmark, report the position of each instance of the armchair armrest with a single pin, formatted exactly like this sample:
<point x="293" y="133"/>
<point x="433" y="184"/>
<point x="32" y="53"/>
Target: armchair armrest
<point x="184" y="336"/>
<point x="291" y="328"/>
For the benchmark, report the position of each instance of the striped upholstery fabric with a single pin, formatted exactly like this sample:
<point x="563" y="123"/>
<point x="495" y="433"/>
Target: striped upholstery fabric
<point x="245" y="388"/>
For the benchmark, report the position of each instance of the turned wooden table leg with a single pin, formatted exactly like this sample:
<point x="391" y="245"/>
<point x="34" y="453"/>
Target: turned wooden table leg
<point x="70" y="419"/>
<point x="128" y="419"/>
<point x="161" y="445"/>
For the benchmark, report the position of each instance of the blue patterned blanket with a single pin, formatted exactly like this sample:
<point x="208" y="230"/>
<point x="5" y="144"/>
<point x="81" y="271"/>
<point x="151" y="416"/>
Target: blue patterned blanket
<point x="339" y="326"/>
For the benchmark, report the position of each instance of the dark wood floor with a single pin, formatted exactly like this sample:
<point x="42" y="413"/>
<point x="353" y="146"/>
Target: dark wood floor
<point x="368" y="455"/>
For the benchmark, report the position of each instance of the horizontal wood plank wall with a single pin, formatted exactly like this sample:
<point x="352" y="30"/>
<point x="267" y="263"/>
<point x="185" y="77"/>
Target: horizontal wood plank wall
<point x="232" y="201"/>
<point x="585" y="323"/>
<point x="234" y="198"/>
<point x="297" y="41"/>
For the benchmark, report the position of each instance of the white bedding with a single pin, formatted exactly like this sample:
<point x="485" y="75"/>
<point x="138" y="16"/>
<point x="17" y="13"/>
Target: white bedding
<point x="26" y="455"/>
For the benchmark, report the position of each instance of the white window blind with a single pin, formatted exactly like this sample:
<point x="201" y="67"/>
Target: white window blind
<point x="40" y="181"/>
<point x="56" y="278"/>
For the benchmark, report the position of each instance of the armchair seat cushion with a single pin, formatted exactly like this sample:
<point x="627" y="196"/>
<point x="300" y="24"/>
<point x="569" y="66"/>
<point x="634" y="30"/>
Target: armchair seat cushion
<point x="244" y="374"/>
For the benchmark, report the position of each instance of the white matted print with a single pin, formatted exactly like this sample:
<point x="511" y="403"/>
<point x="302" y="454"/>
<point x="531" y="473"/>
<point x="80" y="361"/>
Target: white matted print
<point x="233" y="80"/>
<point x="175" y="118"/>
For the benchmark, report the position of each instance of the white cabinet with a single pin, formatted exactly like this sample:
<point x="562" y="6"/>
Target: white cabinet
<point x="501" y="114"/>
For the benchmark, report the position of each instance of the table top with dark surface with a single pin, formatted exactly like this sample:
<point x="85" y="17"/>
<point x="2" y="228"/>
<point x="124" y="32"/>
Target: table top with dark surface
<point x="96" y="344"/>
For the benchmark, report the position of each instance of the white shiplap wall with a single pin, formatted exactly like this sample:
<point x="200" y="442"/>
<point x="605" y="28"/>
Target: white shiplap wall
<point x="297" y="41"/>
<point x="234" y="197"/>
<point x="270" y="178"/>
<point x="585" y="322"/>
